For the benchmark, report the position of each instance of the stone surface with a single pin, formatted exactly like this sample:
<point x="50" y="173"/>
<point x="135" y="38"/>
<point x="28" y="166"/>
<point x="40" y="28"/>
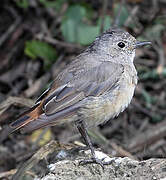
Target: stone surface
<point x="119" y="169"/>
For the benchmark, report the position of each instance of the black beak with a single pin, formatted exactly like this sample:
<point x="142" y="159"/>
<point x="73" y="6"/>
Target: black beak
<point x="142" y="43"/>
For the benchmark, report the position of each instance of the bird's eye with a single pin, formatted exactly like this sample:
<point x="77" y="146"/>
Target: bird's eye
<point x="121" y="44"/>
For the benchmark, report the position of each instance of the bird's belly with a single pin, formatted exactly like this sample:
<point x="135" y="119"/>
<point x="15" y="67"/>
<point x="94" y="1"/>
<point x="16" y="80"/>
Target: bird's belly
<point x="101" y="109"/>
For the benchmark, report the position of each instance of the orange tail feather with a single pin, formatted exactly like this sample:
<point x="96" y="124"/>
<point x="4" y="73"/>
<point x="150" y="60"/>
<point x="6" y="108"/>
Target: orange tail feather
<point x="25" y="118"/>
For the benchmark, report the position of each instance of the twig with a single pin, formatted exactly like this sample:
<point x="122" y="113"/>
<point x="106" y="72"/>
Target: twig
<point x="16" y="101"/>
<point x="9" y="31"/>
<point x="7" y="173"/>
<point x="132" y="14"/>
<point x="12" y="172"/>
<point x="99" y="137"/>
<point x="142" y="109"/>
<point x="117" y="18"/>
<point x="153" y="151"/>
<point x="160" y="51"/>
<point x="17" y="47"/>
<point x="121" y="151"/>
<point x="148" y="137"/>
<point x="57" y="42"/>
<point x="39" y="155"/>
<point x="104" y="9"/>
<point x="114" y="127"/>
<point x="37" y="85"/>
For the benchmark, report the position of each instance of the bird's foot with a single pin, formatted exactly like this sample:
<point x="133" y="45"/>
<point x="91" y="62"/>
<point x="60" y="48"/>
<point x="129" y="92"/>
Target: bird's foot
<point x="95" y="160"/>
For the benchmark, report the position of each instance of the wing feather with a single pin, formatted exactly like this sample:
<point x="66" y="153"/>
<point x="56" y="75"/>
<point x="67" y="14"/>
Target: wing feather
<point x="93" y="82"/>
<point x="85" y="77"/>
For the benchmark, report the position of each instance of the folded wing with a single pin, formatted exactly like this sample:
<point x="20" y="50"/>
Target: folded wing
<point x="64" y="97"/>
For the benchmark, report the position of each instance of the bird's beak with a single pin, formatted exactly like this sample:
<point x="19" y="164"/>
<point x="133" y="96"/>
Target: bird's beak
<point x="142" y="43"/>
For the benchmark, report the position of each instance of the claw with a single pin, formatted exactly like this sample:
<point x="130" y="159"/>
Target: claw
<point x="96" y="161"/>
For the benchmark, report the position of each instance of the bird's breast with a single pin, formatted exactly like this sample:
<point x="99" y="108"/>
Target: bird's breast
<point x="101" y="109"/>
<point x="122" y="96"/>
<point x="122" y="100"/>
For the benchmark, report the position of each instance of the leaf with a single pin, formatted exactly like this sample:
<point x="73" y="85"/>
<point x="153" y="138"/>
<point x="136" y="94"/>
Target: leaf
<point x="148" y="98"/>
<point x="157" y="118"/>
<point x="107" y="22"/>
<point x="79" y="32"/>
<point x="87" y="34"/>
<point x="76" y="13"/>
<point x="153" y="74"/>
<point x="52" y="4"/>
<point x="22" y="4"/>
<point x="69" y="30"/>
<point x="149" y="75"/>
<point x="37" y="49"/>
<point x="74" y="28"/>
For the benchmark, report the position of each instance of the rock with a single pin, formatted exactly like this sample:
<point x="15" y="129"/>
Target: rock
<point x="120" y="168"/>
<point x="55" y="161"/>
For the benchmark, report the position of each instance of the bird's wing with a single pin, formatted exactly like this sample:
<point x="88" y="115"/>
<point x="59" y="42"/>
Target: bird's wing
<point x="66" y="92"/>
<point x="92" y="82"/>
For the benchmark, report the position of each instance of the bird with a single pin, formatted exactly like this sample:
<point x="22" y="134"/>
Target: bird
<point x="94" y="88"/>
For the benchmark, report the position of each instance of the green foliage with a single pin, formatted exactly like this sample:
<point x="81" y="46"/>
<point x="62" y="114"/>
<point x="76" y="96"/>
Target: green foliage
<point x="160" y="20"/>
<point x="149" y="75"/>
<point x="23" y="3"/>
<point x="156" y="118"/>
<point x="153" y="74"/>
<point x="52" y="4"/>
<point x="149" y="101"/>
<point x="148" y="98"/>
<point x="124" y="14"/>
<point x="37" y="49"/>
<point x="74" y="28"/>
<point x="47" y="3"/>
<point x="107" y="22"/>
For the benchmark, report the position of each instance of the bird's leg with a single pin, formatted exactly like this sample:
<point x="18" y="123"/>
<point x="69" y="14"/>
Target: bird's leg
<point x="83" y="131"/>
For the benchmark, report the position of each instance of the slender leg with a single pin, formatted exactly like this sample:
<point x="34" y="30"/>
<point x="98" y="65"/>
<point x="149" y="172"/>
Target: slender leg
<point x="83" y="131"/>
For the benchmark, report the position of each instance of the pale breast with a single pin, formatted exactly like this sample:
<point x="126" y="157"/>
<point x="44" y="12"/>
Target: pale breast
<point x="98" y="110"/>
<point x="122" y="96"/>
<point x="122" y="100"/>
<point x="101" y="109"/>
<point x="125" y="93"/>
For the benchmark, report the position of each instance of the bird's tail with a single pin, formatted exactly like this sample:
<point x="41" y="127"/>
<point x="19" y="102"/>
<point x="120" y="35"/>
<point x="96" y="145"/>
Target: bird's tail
<point x="35" y="118"/>
<point x="20" y="122"/>
<point x="25" y="118"/>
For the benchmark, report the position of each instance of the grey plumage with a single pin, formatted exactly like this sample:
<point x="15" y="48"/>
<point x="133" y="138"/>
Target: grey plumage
<point x="96" y="86"/>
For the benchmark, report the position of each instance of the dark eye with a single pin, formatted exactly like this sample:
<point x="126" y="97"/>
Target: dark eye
<point x="121" y="44"/>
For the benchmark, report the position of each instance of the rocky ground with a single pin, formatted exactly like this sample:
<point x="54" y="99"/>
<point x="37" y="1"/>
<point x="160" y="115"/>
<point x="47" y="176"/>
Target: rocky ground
<point x="66" y="164"/>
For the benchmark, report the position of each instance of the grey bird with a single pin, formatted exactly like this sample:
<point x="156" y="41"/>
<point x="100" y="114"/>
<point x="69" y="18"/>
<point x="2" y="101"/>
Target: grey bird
<point x="95" y="87"/>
